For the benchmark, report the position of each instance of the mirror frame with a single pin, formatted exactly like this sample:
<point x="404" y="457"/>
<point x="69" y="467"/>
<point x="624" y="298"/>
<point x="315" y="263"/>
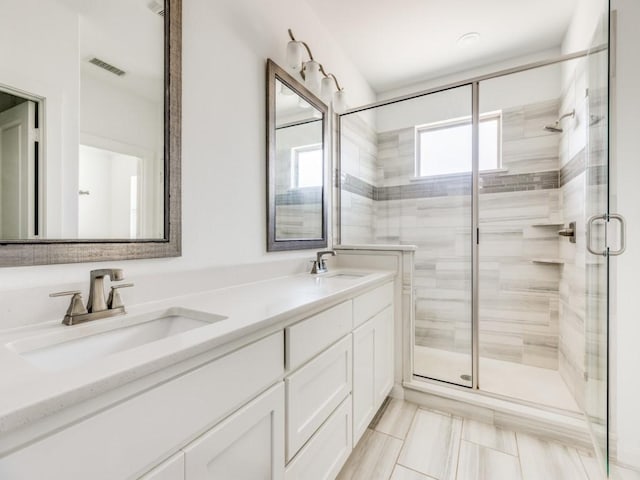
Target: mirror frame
<point x="275" y="72"/>
<point x="54" y="251"/>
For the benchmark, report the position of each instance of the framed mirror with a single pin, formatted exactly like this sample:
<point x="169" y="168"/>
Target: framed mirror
<point x="297" y="164"/>
<point x="90" y="100"/>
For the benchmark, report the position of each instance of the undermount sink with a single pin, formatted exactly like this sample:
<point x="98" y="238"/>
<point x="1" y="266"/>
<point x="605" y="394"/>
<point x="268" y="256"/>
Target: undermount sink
<point x="58" y="352"/>
<point x="346" y="276"/>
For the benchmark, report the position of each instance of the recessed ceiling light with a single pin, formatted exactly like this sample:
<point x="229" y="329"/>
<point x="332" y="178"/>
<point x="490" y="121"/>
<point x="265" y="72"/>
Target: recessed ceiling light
<point x="469" y="39"/>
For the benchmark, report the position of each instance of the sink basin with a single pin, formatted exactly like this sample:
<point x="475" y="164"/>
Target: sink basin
<point x="346" y="276"/>
<point x="61" y="352"/>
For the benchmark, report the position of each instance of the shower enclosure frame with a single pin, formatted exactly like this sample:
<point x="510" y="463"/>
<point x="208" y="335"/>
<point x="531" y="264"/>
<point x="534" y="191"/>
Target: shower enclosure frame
<point x="408" y="340"/>
<point x="474" y="83"/>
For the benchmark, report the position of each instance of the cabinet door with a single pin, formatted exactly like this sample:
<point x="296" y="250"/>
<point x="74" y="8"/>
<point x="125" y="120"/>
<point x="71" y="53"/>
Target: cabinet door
<point x="171" y="469"/>
<point x="383" y="355"/>
<point x="364" y="408"/>
<point x="249" y="445"/>
<point x="372" y="368"/>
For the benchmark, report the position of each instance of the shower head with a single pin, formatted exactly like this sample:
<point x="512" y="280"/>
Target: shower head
<point x="556" y="128"/>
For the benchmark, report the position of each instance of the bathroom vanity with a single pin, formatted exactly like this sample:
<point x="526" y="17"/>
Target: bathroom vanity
<point x="275" y="379"/>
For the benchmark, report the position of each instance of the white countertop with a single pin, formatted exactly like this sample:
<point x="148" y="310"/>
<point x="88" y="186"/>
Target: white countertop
<point x="28" y="393"/>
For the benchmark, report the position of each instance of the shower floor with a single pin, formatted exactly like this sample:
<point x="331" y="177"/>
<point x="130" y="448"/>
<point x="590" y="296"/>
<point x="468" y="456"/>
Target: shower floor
<point x="533" y="384"/>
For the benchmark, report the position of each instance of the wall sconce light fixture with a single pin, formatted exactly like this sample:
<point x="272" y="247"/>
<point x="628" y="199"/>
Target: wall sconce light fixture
<point x="315" y="77"/>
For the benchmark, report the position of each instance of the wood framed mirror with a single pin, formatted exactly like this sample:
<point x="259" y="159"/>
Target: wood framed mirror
<point x="297" y="164"/>
<point x="99" y="97"/>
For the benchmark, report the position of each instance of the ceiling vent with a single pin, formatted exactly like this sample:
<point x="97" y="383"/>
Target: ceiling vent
<point x="156" y="7"/>
<point x="107" y="66"/>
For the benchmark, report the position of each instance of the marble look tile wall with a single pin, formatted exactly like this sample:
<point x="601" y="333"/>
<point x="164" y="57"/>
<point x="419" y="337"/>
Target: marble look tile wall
<point x="518" y="297"/>
<point x="358" y="169"/>
<point x="573" y="180"/>
<point x="520" y="209"/>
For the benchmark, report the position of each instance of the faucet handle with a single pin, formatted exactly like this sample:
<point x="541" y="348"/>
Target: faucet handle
<point x="115" y="300"/>
<point x="65" y="293"/>
<point x="76" y="307"/>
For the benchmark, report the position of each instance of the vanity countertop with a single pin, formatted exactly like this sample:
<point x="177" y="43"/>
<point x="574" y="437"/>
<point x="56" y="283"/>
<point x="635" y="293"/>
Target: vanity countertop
<point x="28" y="393"/>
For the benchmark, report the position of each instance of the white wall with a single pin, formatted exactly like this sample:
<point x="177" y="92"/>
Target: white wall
<point x="625" y="199"/>
<point x="501" y="93"/>
<point x="225" y="46"/>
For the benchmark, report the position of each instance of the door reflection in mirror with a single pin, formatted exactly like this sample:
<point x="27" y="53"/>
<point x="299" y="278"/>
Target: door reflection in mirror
<point x="19" y="167"/>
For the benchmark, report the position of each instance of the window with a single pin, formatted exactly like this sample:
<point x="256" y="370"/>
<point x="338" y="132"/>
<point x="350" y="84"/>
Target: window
<point x="445" y="147"/>
<point x="306" y="166"/>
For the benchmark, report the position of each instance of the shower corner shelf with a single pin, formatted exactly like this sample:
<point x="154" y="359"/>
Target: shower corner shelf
<point x="548" y="261"/>
<point x="548" y="224"/>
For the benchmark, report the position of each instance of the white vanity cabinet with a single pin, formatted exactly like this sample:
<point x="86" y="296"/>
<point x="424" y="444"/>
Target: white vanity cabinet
<point x="131" y="437"/>
<point x="348" y="373"/>
<point x="288" y="403"/>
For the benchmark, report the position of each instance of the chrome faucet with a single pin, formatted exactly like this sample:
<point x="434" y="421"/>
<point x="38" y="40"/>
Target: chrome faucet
<point x="97" y="307"/>
<point x="320" y="265"/>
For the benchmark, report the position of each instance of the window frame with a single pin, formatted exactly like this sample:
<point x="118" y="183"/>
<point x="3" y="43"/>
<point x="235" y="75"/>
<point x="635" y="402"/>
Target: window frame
<point x="295" y="170"/>
<point x="454" y="122"/>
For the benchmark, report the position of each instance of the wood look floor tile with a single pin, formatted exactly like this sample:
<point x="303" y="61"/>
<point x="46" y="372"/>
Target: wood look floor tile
<point x="482" y="463"/>
<point x="490" y="436"/>
<point x="432" y="444"/>
<point x="373" y="458"/>
<point x="397" y="418"/>
<point x="403" y="473"/>
<point x="543" y="460"/>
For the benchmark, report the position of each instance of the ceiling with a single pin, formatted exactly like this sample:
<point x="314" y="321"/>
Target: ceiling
<point x="397" y="43"/>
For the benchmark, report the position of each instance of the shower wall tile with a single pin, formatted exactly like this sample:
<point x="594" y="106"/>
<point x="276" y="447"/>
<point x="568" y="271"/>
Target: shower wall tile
<point x="382" y="202"/>
<point x="358" y="165"/>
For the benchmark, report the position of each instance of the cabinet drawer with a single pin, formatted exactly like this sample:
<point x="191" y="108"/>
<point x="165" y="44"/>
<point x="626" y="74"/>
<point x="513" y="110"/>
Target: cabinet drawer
<point x="306" y="339"/>
<point x="328" y="450"/>
<point x="314" y="391"/>
<point x="129" y="438"/>
<point x="368" y="304"/>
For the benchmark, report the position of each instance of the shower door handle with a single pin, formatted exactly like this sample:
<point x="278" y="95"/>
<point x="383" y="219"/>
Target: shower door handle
<point x="623" y="234"/>
<point x="590" y="223"/>
<point x="606" y="217"/>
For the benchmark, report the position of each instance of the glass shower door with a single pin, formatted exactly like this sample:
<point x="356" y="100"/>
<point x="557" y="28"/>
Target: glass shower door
<point x="599" y="245"/>
<point x="405" y="178"/>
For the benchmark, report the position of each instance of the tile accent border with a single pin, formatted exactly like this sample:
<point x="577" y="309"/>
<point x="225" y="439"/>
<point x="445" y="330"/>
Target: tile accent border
<point x="596" y="174"/>
<point x="300" y="196"/>
<point x="452" y="185"/>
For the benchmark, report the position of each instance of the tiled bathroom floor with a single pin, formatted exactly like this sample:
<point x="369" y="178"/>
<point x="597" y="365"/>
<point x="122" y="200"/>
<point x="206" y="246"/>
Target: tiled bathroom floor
<point x="533" y="384"/>
<point x="412" y="443"/>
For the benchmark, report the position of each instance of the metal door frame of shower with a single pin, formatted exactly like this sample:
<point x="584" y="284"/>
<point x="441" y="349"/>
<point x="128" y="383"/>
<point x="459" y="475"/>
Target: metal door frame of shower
<point x="474" y="83"/>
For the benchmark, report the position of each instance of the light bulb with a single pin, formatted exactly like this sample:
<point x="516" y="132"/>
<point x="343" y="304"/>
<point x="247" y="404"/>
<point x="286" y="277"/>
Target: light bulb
<point x="326" y="90"/>
<point x="339" y="102"/>
<point x="294" y="55"/>
<point x="312" y="76"/>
